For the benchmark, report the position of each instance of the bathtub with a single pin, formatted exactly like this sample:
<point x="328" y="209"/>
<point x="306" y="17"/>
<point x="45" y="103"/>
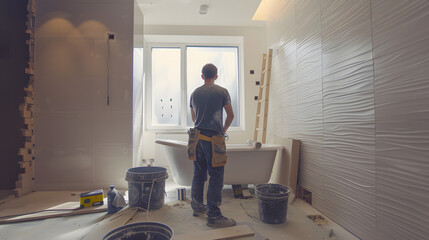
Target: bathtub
<point x="245" y="165"/>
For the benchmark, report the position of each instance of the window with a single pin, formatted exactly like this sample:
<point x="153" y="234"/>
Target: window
<point x="166" y="100"/>
<point x="174" y="72"/>
<point x="226" y="60"/>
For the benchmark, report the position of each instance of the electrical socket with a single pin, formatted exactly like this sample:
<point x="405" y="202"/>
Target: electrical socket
<point x="111" y="36"/>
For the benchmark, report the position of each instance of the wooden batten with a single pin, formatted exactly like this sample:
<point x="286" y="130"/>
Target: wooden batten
<point x="28" y="145"/>
<point x="26" y="114"/>
<point x="30" y="127"/>
<point x="29" y="100"/>
<point x="29" y="121"/>
<point x="24" y="151"/>
<point x="25" y="164"/>
<point x="26" y="157"/>
<point x="29" y="88"/>
<point x="27" y="133"/>
<point x="29" y="71"/>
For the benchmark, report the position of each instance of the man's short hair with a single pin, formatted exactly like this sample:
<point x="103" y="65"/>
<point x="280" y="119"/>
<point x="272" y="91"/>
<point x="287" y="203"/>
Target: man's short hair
<point x="209" y="71"/>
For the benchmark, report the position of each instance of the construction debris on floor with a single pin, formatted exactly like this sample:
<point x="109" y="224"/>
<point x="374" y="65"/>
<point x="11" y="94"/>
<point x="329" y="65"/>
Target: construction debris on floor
<point x="175" y="213"/>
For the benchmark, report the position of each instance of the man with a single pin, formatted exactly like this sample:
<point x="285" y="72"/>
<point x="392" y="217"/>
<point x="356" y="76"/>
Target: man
<point x="207" y="145"/>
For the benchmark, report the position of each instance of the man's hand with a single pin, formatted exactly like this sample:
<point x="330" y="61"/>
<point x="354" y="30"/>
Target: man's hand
<point x="229" y="117"/>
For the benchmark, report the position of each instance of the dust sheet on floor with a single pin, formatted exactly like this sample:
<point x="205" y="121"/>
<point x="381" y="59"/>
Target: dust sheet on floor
<point x="174" y="213"/>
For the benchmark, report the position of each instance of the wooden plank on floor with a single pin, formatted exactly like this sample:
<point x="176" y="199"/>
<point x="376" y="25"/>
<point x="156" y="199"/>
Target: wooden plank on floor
<point x="235" y="232"/>
<point x="62" y="210"/>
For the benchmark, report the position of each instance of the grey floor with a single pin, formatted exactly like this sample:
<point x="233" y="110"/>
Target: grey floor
<point x="176" y="214"/>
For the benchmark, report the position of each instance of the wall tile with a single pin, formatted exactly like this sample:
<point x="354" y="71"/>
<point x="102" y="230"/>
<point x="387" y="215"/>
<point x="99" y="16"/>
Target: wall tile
<point x="360" y="110"/>
<point x="111" y="163"/>
<point x="63" y="129"/>
<point x="348" y="109"/>
<point x="67" y="168"/>
<point x="111" y="127"/>
<point x="401" y="65"/>
<point x="72" y="117"/>
<point x="309" y="94"/>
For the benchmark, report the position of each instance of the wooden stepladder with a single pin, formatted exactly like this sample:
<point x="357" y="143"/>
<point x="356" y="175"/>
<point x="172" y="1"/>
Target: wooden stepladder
<point x="263" y="97"/>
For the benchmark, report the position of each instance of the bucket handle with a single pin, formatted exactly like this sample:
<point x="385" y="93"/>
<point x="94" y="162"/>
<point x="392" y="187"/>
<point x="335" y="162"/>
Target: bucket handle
<point x="150" y="194"/>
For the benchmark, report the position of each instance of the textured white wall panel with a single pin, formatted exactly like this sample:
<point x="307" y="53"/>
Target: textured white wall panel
<point x="348" y="102"/>
<point x="283" y="90"/>
<point x="401" y="50"/>
<point x="350" y="80"/>
<point x="275" y="109"/>
<point x="310" y="104"/>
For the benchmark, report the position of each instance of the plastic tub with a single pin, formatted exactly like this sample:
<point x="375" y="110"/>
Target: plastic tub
<point x="146" y="187"/>
<point x="272" y="202"/>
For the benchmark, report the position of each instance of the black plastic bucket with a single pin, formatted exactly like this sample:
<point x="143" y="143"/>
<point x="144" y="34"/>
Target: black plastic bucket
<point x="272" y="202"/>
<point x="141" y="230"/>
<point x="146" y="187"/>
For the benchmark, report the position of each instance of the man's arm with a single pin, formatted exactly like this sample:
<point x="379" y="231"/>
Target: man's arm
<point x="229" y="117"/>
<point x="193" y="115"/>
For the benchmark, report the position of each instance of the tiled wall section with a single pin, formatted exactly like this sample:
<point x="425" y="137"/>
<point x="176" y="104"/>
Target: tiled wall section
<point x="82" y="143"/>
<point x="401" y="82"/>
<point x="350" y="79"/>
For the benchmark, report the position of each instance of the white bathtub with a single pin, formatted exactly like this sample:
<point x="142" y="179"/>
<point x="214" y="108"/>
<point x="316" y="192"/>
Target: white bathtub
<point x="245" y="164"/>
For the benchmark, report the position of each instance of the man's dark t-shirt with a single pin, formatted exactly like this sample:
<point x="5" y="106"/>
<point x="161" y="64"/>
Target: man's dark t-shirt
<point x="208" y="102"/>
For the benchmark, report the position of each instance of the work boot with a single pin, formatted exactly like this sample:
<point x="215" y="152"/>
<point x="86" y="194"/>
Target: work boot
<point x="220" y="222"/>
<point x="199" y="209"/>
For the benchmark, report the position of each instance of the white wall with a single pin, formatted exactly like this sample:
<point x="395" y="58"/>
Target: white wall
<point x="351" y="81"/>
<point x="254" y="47"/>
<point x="81" y="143"/>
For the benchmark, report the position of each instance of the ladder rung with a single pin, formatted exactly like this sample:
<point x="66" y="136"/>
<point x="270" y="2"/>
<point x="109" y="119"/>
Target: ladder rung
<point x="259" y="129"/>
<point x="262" y="100"/>
<point x="264" y="71"/>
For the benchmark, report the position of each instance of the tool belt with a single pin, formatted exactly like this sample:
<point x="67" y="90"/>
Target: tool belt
<point x="218" y="147"/>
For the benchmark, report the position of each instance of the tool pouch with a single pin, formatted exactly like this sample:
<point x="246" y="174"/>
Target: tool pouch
<point x="218" y="151"/>
<point x="192" y="143"/>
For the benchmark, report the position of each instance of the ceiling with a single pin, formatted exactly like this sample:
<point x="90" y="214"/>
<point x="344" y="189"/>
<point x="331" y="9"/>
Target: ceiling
<point x="186" y="12"/>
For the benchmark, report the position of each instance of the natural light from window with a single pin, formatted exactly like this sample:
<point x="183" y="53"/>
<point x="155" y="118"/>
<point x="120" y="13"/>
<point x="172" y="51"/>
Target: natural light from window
<point x="166" y="101"/>
<point x="226" y="60"/>
<point x="173" y="71"/>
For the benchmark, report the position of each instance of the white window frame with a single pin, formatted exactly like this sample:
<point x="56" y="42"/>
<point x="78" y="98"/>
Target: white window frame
<point x="183" y="42"/>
